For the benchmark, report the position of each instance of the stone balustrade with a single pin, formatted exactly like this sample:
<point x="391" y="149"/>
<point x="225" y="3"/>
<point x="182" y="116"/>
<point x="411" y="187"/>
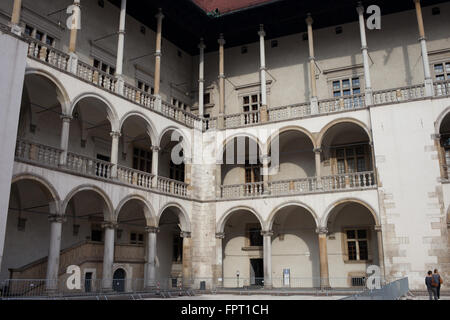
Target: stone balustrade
<point x="297" y="186"/>
<point x="135" y="177"/>
<point x="242" y="119"/>
<point x="88" y="166"/>
<point x="399" y="95"/>
<point x="357" y="180"/>
<point x="238" y="191"/>
<point x="442" y="88"/>
<point x="37" y="153"/>
<point x="289" y="112"/>
<point x="345" y="103"/>
<point x="169" y="186"/>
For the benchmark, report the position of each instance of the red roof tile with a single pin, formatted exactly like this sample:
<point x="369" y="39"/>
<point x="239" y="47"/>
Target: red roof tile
<point x="225" y="6"/>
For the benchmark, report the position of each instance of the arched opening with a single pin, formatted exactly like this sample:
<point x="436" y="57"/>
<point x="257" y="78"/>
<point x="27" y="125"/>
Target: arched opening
<point x="27" y="237"/>
<point x="242" y="247"/>
<point x="347" y="157"/>
<point x="173" y="247"/>
<point x="296" y="167"/>
<point x="352" y="244"/>
<point x="171" y="163"/>
<point x="295" y="249"/>
<point x="241" y="171"/>
<point x="444" y="132"/>
<point x="119" y="280"/>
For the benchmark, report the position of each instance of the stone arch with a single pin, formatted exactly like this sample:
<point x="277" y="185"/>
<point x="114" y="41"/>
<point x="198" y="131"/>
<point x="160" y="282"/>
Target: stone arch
<point x="300" y="204"/>
<point x="440" y="119"/>
<point x="330" y="125"/>
<point x="220" y="227"/>
<point x="42" y="181"/>
<point x="231" y="138"/>
<point x="185" y="143"/>
<point x="62" y="94"/>
<point x="149" y="212"/>
<point x="329" y="210"/>
<point x="100" y="192"/>
<point x="185" y="221"/>
<point x="151" y="129"/>
<point x="110" y="110"/>
<point x="291" y="128"/>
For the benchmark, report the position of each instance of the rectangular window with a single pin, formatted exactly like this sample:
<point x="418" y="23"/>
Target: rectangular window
<point x="442" y="71"/>
<point x="207" y="98"/>
<point x="104" y="67"/>
<point x="346" y="87"/>
<point x="136" y="238"/>
<point x="357" y="244"/>
<point x="176" y="172"/>
<point x="352" y="159"/>
<point x="39" y="35"/>
<point x="142" y="160"/>
<point x="145" y="87"/>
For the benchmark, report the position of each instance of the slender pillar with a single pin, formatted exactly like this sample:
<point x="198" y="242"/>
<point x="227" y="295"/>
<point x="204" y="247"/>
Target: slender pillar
<point x="151" y="257"/>
<point x="262" y="70"/>
<point x="201" y="80"/>
<point x="323" y="257"/>
<point x="265" y="172"/>
<point x="120" y="47"/>
<point x="365" y="54"/>
<point x="187" y="259"/>
<point x="221" y="119"/>
<point x="312" y="66"/>
<point x="423" y="44"/>
<point x="15" y="17"/>
<point x="73" y="60"/>
<point x="64" y="138"/>
<point x="379" y="231"/>
<point x="318" y="155"/>
<point x="267" y="242"/>
<point x="108" y="256"/>
<point x="114" y="153"/>
<point x="219" y="260"/>
<point x="159" y="18"/>
<point x="155" y="160"/>
<point x="52" y="275"/>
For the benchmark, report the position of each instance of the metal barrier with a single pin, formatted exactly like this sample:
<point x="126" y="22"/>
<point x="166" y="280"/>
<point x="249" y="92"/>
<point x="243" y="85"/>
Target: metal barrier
<point x="392" y="291"/>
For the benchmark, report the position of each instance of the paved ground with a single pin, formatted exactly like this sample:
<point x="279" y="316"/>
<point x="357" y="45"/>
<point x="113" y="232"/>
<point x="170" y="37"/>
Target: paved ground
<point x="269" y="297"/>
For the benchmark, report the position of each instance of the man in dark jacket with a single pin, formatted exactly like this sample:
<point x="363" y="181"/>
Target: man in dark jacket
<point x="431" y="289"/>
<point x="437" y="278"/>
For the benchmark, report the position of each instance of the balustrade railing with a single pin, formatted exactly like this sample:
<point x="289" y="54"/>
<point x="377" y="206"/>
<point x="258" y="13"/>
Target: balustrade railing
<point x="289" y="112"/>
<point x="141" y="97"/>
<point x="48" y="54"/>
<point x="399" y="94"/>
<point x="96" y="76"/>
<point x="345" y="103"/>
<point x="170" y="186"/>
<point x="135" y="177"/>
<point x="242" y="119"/>
<point x="88" y="166"/>
<point x="35" y="152"/>
<point x="442" y="88"/>
<point x="247" y="190"/>
<point x="358" y="180"/>
<point x="209" y="123"/>
<point x="305" y="185"/>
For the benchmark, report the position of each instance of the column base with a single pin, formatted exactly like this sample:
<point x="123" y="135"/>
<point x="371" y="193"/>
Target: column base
<point x="369" y="97"/>
<point x="429" y="88"/>
<point x="221" y="122"/>
<point x="314" y="105"/>
<point x="120" y="86"/>
<point x="72" y="66"/>
<point x="16" y="29"/>
<point x="158" y="103"/>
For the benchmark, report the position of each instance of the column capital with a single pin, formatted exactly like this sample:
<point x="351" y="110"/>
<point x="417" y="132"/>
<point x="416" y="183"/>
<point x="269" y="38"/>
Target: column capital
<point x="156" y="148"/>
<point x="115" y="134"/>
<point x="159" y="15"/>
<point x="202" y="45"/>
<point x="322" y="230"/>
<point x="317" y="150"/>
<point x="220" y="235"/>
<point x="261" y="31"/>
<point x="109" y="225"/>
<point x="378" y="228"/>
<point x="360" y="8"/>
<point x="57" y="218"/>
<point x="185" y="234"/>
<point x="267" y="233"/>
<point x="309" y="20"/>
<point x="221" y="40"/>
<point x="66" y="117"/>
<point x="151" y="229"/>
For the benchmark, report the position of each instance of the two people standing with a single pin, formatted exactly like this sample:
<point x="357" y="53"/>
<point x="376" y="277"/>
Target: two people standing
<point x="433" y="282"/>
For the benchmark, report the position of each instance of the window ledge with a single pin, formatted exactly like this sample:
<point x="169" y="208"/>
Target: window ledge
<point x="253" y="248"/>
<point x="358" y="261"/>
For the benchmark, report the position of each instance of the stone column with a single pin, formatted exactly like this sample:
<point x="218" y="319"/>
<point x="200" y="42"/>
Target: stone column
<point x="108" y="256"/>
<point x="218" y="270"/>
<point x="150" y="267"/>
<point x="265" y="172"/>
<point x="312" y="66"/>
<point x="187" y="259"/>
<point x="379" y="231"/>
<point x="159" y="18"/>
<point x="365" y="54"/>
<point x="155" y="168"/>
<point x="318" y="154"/>
<point x="429" y="91"/>
<point x="64" y="138"/>
<point x="262" y="54"/>
<point x="221" y="117"/>
<point x="323" y="257"/>
<point x="15" y="17"/>
<point x="201" y="80"/>
<point x="52" y="275"/>
<point x="114" y="153"/>
<point x="73" y="61"/>
<point x="267" y="235"/>
<point x="120" y="47"/>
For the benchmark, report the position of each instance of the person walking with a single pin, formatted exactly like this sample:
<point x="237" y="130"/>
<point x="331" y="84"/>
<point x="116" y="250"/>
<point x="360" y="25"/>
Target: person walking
<point x="429" y="282"/>
<point x="438" y="279"/>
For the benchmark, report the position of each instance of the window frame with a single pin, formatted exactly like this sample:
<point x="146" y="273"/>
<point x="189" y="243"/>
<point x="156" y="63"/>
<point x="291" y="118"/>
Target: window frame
<point x="345" y="242"/>
<point x="139" y="158"/>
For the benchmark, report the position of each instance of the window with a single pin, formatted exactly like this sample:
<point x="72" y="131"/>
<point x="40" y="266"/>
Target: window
<point x="252" y="173"/>
<point x="177" y="255"/>
<point x="179" y="104"/>
<point x="96" y="233"/>
<point x="357" y="244"/>
<point x="142" y="160"/>
<point x="207" y="98"/>
<point x="145" y="87"/>
<point x="176" y="172"/>
<point x="346" y="87"/>
<point x="39" y="35"/>
<point x="254" y="237"/>
<point x="104" y="67"/>
<point x="442" y="71"/>
<point x="136" y="238"/>
<point x="352" y="159"/>
<point x="251" y="102"/>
